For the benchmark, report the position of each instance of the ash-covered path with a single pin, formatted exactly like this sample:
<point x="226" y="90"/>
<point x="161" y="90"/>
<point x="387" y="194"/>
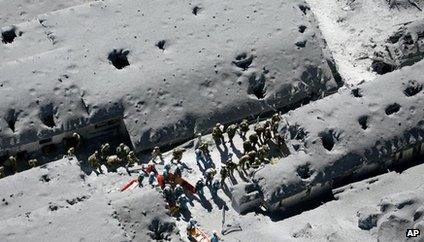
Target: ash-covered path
<point x="59" y="201"/>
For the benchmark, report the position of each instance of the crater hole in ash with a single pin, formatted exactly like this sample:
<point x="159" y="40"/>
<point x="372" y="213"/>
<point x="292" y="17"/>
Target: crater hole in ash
<point x="243" y="61"/>
<point x="304" y="8"/>
<point x="161" y="44"/>
<point x="304" y="171"/>
<point x="329" y="138"/>
<point x="363" y="121"/>
<point x="119" y="58"/>
<point x="257" y="86"/>
<point x="301" y="44"/>
<point x="392" y="108"/>
<point x="11" y="119"/>
<point x="412" y="88"/>
<point x="47" y="115"/>
<point x="9" y="34"/>
<point x="196" y="10"/>
<point x="302" y="28"/>
<point x="381" y="67"/>
<point x="357" y="92"/>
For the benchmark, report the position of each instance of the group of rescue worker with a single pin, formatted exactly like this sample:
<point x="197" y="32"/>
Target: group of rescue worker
<point x="256" y="146"/>
<point x="123" y="155"/>
<point x="256" y="152"/>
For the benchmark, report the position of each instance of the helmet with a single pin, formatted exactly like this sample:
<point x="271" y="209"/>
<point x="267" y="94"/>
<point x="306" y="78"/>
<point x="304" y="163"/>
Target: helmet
<point x="214" y="232"/>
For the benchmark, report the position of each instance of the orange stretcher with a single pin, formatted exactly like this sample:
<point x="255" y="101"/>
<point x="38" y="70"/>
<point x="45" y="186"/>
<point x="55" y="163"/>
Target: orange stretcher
<point x="182" y="182"/>
<point x="198" y="235"/>
<point x="129" y="185"/>
<point x="173" y="179"/>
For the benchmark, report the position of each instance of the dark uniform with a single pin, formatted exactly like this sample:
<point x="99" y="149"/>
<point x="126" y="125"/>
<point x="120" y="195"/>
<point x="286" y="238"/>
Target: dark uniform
<point x="244" y="162"/>
<point x="140" y="179"/>
<point x="224" y="173"/>
<point x="200" y="184"/>
<point x="217" y="134"/>
<point x="247" y="146"/>
<point x="168" y="194"/>
<point x="243" y="128"/>
<point x="204" y="147"/>
<point x="253" y="138"/>
<point x="231" y="166"/>
<point x="259" y="129"/>
<point x="178" y="171"/>
<point x="231" y="131"/>
<point x="263" y="153"/>
<point x="267" y="135"/>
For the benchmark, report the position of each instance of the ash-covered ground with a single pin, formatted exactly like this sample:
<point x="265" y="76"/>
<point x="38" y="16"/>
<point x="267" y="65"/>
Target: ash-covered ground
<point x="338" y="83"/>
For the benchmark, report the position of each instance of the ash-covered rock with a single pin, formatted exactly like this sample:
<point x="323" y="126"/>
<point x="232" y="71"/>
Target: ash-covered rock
<point x="367" y="218"/>
<point x="404" y="48"/>
<point x="245" y="197"/>
<point x="404" y="4"/>
<point x="397" y="213"/>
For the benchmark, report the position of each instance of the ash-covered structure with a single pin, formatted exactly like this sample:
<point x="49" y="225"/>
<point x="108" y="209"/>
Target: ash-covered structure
<point x="345" y="136"/>
<point x="154" y="75"/>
